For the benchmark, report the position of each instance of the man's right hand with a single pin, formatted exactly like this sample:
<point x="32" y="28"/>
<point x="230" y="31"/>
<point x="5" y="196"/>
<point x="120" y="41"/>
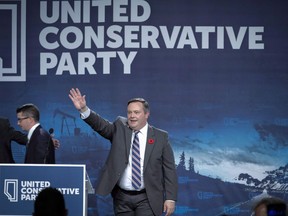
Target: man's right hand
<point x="78" y="100"/>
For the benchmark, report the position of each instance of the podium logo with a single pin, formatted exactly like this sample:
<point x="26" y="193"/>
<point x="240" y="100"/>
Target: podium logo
<point x="13" y="41"/>
<point x="11" y="189"/>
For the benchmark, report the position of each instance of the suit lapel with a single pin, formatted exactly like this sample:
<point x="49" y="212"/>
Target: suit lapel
<point x="128" y="135"/>
<point x="149" y="145"/>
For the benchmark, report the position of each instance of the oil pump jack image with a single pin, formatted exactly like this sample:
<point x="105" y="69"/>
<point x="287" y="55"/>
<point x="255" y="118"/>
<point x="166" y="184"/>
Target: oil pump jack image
<point x="64" y="122"/>
<point x="76" y="145"/>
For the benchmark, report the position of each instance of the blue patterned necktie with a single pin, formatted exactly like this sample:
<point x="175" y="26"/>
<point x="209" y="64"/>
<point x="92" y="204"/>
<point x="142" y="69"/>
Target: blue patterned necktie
<point x="136" y="167"/>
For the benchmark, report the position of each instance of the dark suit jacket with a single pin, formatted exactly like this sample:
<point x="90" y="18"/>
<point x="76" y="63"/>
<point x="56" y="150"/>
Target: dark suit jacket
<point x="40" y="149"/>
<point x="8" y="134"/>
<point x="159" y="167"/>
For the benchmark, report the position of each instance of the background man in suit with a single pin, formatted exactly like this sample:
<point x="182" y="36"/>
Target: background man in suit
<point x="40" y="147"/>
<point x="7" y="135"/>
<point x="158" y="187"/>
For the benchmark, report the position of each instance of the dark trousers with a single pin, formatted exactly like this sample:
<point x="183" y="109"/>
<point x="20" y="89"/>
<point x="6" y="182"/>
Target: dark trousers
<point x="131" y="203"/>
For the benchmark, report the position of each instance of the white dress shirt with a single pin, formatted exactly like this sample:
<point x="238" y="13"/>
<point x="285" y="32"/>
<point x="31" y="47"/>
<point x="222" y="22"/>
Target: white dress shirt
<point x="125" y="181"/>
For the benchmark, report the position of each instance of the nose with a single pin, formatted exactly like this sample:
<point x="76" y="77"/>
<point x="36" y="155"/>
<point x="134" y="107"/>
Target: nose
<point x="130" y="115"/>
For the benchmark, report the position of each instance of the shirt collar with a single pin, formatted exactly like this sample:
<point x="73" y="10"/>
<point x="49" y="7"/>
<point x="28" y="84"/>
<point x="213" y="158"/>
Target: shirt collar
<point x="144" y="129"/>
<point x="32" y="130"/>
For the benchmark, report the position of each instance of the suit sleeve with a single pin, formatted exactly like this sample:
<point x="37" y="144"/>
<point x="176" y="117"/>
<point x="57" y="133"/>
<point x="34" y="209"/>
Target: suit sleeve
<point x="169" y="172"/>
<point x="15" y="135"/>
<point x="18" y="136"/>
<point x="100" y="125"/>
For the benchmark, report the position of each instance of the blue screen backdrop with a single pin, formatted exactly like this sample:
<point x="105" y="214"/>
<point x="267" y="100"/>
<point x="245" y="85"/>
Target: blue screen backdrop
<point x="215" y="74"/>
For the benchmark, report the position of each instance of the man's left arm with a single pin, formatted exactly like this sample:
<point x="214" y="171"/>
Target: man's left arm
<point x="170" y="178"/>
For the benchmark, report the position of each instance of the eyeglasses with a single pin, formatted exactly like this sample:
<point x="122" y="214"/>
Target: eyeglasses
<point x="20" y="119"/>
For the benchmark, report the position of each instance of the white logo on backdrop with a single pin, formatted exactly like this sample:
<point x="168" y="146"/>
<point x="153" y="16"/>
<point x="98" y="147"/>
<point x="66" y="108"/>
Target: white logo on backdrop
<point x="13" y="67"/>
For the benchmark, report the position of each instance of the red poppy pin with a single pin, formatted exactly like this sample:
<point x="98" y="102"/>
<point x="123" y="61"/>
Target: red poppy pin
<point x="151" y="141"/>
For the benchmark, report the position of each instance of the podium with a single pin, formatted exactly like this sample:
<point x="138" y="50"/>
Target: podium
<point x="21" y="183"/>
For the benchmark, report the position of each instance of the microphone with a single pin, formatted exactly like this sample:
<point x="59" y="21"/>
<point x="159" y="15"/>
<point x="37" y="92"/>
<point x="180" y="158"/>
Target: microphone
<point x="51" y="132"/>
<point x="56" y="142"/>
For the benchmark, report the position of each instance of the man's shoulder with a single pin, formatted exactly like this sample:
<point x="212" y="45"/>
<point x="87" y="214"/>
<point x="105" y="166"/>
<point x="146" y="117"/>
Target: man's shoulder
<point x="157" y="130"/>
<point x="2" y="118"/>
<point x="4" y="121"/>
<point x="122" y="120"/>
<point x="42" y="131"/>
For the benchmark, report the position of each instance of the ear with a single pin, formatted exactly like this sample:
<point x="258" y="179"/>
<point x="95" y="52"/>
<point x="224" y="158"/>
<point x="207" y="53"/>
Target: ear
<point x="147" y="115"/>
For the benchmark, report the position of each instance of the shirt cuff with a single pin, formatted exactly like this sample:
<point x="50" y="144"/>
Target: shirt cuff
<point x="85" y="114"/>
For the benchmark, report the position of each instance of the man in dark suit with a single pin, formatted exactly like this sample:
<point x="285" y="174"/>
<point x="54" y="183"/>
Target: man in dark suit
<point x="157" y="191"/>
<point x="40" y="147"/>
<point x="7" y="135"/>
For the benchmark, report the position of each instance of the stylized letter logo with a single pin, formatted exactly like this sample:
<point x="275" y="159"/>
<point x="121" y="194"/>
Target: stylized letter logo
<point x="11" y="189"/>
<point x="13" y="44"/>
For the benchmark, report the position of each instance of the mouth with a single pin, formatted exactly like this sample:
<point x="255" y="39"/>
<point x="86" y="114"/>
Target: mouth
<point x="133" y="120"/>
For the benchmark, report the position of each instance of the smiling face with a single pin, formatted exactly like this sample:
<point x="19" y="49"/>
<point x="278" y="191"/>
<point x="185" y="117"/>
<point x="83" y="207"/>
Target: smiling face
<point x="137" y="118"/>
